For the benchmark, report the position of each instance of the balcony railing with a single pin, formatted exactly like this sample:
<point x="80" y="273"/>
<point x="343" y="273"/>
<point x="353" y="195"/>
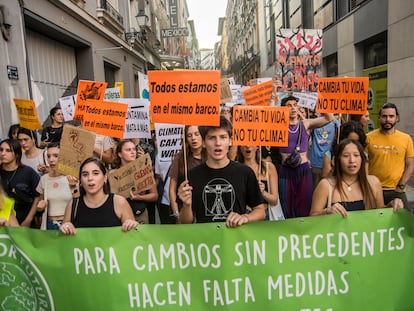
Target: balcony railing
<point x="112" y="11"/>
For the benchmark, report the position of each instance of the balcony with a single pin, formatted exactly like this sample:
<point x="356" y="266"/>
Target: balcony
<point x="110" y="17"/>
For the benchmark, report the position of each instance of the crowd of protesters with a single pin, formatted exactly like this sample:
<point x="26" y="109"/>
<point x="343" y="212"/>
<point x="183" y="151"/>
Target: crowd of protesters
<point x="329" y="166"/>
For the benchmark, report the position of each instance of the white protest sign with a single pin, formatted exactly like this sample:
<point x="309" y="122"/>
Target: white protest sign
<point x="143" y="85"/>
<point x="236" y="91"/>
<point x="67" y="104"/>
<point x="112" y="94"/>
<point x="137" y="124"/>
<point x="231" y="80"/>
<point x="168" y="137"/>
<point x="306" y="99"/>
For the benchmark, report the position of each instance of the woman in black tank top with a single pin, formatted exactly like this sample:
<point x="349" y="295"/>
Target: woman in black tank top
<point x="350" y="188"/>
<point x="96" y="207"/>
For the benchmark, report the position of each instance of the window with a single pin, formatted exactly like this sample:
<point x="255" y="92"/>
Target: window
<point x="342" y="8"/>
<point x="110" y="74"/>
<point x="331" y="65"/>
<point x="375" y="51"/>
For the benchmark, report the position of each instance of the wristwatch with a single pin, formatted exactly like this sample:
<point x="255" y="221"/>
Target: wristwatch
<point x="401" y="186"/>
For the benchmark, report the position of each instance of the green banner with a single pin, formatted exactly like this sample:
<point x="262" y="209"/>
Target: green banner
<point x="363" y="262"/>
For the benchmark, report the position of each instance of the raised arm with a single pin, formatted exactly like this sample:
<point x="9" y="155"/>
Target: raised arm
<point x="318" y="122"/>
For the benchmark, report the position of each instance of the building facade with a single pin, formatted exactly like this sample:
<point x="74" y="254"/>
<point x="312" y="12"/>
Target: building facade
<point x="360" y="38"/>
<point x="48" y="46"/>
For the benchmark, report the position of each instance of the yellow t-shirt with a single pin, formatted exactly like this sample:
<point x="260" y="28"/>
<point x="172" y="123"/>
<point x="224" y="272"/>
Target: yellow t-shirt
<point x="387" y="154"/>
<point x="6" y="207"/>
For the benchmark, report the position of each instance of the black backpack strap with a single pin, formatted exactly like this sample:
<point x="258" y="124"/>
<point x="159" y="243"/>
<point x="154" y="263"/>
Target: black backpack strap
<point x="74" y="211"/>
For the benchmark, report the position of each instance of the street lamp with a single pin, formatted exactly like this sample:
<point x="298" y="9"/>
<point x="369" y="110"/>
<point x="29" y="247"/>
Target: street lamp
<point x="142" y="19"/>
<point x="133" y="35"/>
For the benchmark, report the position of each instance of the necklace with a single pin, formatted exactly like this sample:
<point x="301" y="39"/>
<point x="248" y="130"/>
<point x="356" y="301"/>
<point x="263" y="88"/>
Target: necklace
<point x="95" y="204"/>
<point x="349" y="185"/>
<point x="9" y="180"/>
<point x="293" y="131"/>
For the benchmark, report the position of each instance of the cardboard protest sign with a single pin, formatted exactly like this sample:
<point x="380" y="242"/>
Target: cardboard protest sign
<point x="137" y="124"/>
<point x="76" y="145"/>
<point x="120" y="86"/>
<point x="88" y="90"/>
<point x="137" y="174"/>
<point x="299" y="58"/>
<point x="169" y="140"/>
<point x="185" y="97"/>
<point x="225" y="91"/>
<point x="343" y="95"/>
<point x="67" y="104"/>
<point x="306" y="99"/>
<point x="258" y="95"/>
<point x="105" y="118"/>
<point x="112" y="94"/>
<point x="27" y="112"/>
<point x="260" y="126"/>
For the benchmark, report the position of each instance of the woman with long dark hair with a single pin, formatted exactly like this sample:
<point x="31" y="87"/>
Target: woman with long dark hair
<point x="350" y="129"/>
<point x="125" y="153"/>
<point x="349" y="188"/>
<point x="32" y="155"/>
<point x="19" y="181"/>
<point x="265" y="172"/>
<point x="191" y="154"/>
<point x="96" y="206"/>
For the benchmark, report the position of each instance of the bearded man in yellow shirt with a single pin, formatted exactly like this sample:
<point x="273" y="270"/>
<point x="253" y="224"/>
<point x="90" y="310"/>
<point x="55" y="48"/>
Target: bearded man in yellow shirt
<point x="391" y="155"/>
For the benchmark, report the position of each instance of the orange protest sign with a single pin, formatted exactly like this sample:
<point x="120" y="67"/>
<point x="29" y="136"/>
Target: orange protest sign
<point x="342" y="95"/>
<point x="88" y="90"/>
<point x="27" y="112"/>
<point x="258" y="95"/>
<point x="260" y="126"/>
<point x="185" y="97"/>
<point x="105" y="118"/>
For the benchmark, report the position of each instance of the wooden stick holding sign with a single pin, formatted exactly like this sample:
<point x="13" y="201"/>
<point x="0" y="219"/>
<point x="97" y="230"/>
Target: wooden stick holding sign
<point x="185" y="156"/>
